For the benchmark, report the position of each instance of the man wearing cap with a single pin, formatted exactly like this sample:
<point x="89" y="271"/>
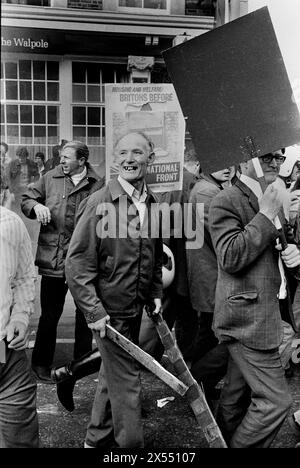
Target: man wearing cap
<point x="255" y="398"/>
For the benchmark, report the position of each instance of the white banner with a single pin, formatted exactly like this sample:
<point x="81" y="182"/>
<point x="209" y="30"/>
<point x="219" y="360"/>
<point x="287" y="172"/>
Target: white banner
<point x="153" y="109"/>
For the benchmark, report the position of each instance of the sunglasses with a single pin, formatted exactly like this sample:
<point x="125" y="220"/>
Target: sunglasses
<point x="267" y="158"/>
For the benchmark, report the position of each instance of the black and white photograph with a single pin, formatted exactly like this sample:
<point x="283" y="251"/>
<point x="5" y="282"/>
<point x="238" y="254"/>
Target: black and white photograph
<point x="150" y="227"/>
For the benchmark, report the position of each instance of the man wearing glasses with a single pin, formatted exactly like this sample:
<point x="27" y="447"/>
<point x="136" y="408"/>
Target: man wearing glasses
<point x="251" y="277"/>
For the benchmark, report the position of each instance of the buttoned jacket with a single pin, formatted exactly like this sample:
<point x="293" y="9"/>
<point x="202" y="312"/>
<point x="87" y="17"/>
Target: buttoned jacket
<point x="246" y="302"/>
<point x="106" y="266"/>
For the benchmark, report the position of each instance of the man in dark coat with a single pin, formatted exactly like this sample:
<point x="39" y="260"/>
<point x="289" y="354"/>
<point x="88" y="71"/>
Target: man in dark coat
<point x="54" y="201"/>
<point x="209" y="359"/>
<point x="256" y="398"/>
<point x="21" y="172"/>
<point x="114" y="268"/>
<point x="55" y="160"/>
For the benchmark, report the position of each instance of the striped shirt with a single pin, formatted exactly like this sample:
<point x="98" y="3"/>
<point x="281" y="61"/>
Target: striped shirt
<point x="17" y="271"/>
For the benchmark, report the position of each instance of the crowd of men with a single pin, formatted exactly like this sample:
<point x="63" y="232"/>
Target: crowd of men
<point x="227" y="300"/>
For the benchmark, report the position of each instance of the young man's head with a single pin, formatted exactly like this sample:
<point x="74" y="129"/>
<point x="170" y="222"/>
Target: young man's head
<point x="270" y="164"/>
<point x="224" y="175"/>
<point x="22" y="154"/>
<point x="39" y="158"/>
<point x="133" y="153"/>
<point x="73" y="157"/>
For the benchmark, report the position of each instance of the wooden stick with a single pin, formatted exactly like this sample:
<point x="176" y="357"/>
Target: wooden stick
<point x="194" y="394"/>
<point x="145" y="359"/>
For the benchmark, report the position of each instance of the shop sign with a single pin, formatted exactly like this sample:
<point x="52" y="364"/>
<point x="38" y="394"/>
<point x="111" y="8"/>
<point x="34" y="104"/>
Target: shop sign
<point x="26" y="40"/>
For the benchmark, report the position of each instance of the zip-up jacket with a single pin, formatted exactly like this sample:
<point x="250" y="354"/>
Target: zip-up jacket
<point x="57" y="191"/>
<point x="107" y="269"/>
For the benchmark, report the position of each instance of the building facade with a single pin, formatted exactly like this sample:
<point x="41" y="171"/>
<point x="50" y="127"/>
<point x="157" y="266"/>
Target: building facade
<point x="57" y="55"/>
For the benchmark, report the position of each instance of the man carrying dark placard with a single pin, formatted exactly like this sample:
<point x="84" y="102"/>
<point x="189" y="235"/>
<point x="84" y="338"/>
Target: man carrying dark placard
<point x="255" y="398"/>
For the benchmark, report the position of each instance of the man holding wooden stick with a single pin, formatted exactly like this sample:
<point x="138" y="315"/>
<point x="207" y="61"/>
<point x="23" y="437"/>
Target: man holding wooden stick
<point x="112" y="273"/>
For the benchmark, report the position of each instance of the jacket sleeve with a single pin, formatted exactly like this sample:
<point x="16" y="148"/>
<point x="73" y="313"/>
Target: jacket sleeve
<point x="23" y="284"/>
<point x="33" y="195"/>
<point x="157" y="286"/>
<point x="81" y="266"/>
<point x="237" y="246"/>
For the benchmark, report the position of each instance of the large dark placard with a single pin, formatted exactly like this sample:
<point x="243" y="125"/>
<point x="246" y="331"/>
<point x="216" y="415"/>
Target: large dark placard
<point x="232" y="84"/>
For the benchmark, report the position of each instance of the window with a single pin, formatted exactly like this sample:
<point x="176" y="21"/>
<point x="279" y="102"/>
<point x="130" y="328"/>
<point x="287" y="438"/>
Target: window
<point x="157" y="7"/>
<point x="88" y="113"/>
<point x="30" y="105"/>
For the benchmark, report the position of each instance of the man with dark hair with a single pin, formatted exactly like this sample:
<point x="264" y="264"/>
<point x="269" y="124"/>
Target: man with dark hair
<point x="55" y="160"/>
<point x="18" y="416"/>
<point x="209" y="361"/>
<point x="54" y="201"/>
<point x="40" y="161"/>
<point x="21" y="172"/>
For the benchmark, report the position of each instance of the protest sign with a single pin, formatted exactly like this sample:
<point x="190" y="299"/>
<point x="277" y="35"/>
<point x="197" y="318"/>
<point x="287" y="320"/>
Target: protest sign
<point x="153" y="109"/>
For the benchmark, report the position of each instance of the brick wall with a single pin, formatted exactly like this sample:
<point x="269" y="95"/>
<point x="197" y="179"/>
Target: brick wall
<point x="88" y="4"/>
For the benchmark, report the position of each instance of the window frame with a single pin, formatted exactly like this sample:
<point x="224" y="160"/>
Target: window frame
<point x="144" y="10"/>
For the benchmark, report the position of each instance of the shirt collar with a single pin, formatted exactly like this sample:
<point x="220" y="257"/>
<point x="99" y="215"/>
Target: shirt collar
<point x="76" y="178"/>
<point x="252" y="184"/>
<point x="132" y="191"/>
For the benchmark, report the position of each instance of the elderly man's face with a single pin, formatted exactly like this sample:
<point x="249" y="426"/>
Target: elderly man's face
<point x="270" y="164"/>
<point x="133" y="154"/>
<point x="271" y="168"/>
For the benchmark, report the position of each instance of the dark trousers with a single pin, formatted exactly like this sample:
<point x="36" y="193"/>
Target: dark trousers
<point x="18" y="416"/>
<point x="116" y="414"/>
<point x="53" y="294"/>
<point x="255" y="399"/>
<point x="177" y="310"/>
<point x="210" y="359"/>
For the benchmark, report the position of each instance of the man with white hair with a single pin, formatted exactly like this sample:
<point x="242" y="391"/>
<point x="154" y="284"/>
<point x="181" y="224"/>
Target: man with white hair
<point x="255" y="399"/>
<point x="112" y="276"/>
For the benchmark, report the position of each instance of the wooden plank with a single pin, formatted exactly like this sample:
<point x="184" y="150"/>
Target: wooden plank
<point x="145" y="359"/>
<point x="194" y="394"/>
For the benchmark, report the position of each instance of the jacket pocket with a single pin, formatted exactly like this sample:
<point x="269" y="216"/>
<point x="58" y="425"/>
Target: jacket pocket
<point x="47" y="251"/>
<point x="246" y="296"/>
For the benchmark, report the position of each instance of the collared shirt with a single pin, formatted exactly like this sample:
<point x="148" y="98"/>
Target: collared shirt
<point x="138" y="199"/>
<point x="76" y="178"/>
<point x="17" y="271"/>
<point x="255" y="187"/>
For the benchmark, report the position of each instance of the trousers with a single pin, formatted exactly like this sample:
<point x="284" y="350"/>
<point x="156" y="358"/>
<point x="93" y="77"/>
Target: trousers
<point x="210" y="358"/>
<point x="116" y="413"/>
<point x="53" y="294"/>
<point x="255" y="398"/>
<point x="18" y="416"/>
